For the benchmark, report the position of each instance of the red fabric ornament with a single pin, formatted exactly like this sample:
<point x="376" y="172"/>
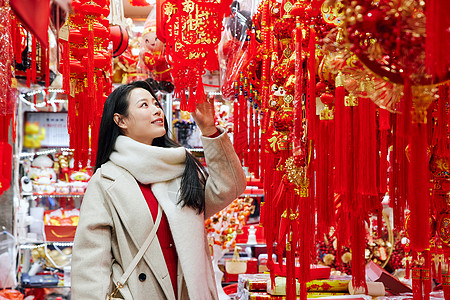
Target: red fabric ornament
<point x="36" y="20"/>
<point x="192" y="32"/>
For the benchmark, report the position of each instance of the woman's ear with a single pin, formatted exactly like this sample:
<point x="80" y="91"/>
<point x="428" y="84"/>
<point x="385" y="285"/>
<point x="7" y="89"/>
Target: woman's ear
<point x="118" y="119"/>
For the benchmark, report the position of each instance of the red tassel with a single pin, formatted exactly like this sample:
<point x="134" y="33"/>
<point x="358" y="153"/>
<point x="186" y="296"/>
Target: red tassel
<point x="243" y="128"/>
<point x="367" y="157"/>
<point x="418" y="193"/>
<point x="191" y="100"/>
<point x="446" y="285"/>
<point x="383" y="170"/>
<point x="251" y="140"/>
<point x="408" y="267"/>
<point x="17" y="42"/>
<point x="358" y="253"/>
<point x="66" y="66"/>
<point x="298" y="113"/>
<point x="425" y="276"/>
<point x="33" y="59"/>
<point x="339" y="134"/>
<point x="183" y="101"/>
<point x="442" y="139"/>
<point x="417" y="284"/>
<point x="90" y="67"/>
<point x="439" y="270"/>
<point x="200" y="92"/>
<point x="236" y="128"/>
<point x="437" y="36"/>
<point x="312" y="117"/>
<point x="325" y="194"/>
<point x="257" y="151"/>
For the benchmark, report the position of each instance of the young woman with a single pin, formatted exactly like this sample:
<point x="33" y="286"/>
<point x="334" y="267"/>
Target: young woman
<point x="139" y="169"/>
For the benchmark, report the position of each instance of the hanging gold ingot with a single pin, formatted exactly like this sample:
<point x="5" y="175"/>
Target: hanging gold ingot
<point x="351" y="100"/>
<point x="326" y="113"/>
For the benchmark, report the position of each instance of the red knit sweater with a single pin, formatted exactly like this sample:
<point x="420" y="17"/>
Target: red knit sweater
<point x="164" y="235"/>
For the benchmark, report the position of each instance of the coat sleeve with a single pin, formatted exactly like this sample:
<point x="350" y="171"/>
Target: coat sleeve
<point x="226" y="179"/>
<point x="91" y="255"/>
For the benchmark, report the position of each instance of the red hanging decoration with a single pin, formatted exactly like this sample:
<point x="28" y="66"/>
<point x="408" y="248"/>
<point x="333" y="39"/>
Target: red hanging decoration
<point x="383" y="128"/>
<point x="418" y="194"/>
<point x="7" y="96"/>
<point x="86" y="60"/>
<point x="437" y="58"/>
<point x="325" y="162"/>
<point x="192" y="30"/>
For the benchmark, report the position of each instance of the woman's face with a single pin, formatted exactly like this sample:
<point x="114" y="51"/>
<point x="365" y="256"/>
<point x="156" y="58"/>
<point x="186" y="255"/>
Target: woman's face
<point x="145" y="120"/>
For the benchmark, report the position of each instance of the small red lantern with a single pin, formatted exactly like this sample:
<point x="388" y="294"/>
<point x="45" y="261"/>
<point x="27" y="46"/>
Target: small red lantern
<point x="119" y="37"/>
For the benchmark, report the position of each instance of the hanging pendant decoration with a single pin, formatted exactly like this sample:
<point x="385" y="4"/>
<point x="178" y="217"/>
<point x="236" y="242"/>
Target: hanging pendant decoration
<point x="87" y="63"/>
<point x="192" y="31"/>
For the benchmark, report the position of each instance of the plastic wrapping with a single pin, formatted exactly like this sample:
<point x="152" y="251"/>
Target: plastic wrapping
<point x="234" y="52"/>
<point x="7" y="260"/>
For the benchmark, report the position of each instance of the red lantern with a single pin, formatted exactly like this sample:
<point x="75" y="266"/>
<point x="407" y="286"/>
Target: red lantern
<point x="119" y="37"/>
<point x="139" y="3"/>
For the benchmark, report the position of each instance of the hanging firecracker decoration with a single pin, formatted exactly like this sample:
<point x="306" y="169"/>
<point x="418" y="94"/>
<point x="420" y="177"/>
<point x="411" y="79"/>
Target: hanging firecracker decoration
<point x="192" y="31"/>
<point x="86" y="64"/>
<point x="7" y="95"/>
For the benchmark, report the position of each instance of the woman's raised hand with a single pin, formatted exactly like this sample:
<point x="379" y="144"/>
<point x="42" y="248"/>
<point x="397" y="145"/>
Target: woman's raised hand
<point x="204" y="117"/>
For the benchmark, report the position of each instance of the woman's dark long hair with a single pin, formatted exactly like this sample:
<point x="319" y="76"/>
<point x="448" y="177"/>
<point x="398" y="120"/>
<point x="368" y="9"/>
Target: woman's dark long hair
<point x="193" y="180"/>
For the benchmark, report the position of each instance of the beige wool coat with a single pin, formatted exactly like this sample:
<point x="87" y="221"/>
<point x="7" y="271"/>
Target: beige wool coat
<point x="115" y="221"/>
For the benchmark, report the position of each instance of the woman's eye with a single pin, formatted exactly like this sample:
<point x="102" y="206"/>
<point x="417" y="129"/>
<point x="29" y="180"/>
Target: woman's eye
<point x="144" y="104"/>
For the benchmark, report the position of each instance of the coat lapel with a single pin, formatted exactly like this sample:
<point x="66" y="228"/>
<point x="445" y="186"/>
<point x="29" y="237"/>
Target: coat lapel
<point x="129" y="202"/>
<point x="188" y="231"/>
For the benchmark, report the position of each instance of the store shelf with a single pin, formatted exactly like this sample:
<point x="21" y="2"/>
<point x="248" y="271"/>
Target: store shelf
<point x="39" y="244"/>
<point x="38" y="195"/>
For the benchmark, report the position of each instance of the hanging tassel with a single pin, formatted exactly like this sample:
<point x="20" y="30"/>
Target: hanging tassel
<point x="442" y="139"/>
<point x="258" y="155"/>
<point x="446" y="282"/>
<point x="33" y="59"/>
<point x="236" y="129"/>
<point x="90" y="61"/>
<point x="200" y="91"/>
<point x="312" y="117"/>
<point x="418" y="194"/>
<point x="437" y="35"/>
<point x="66" y="66"/>
<point x="417" y="284"/>
<point x="298" y="111"/>
<point x="243" y="128"/>
<point x="425" y="276"/>
<point x="367" y="156"/>
<point x="358" y="253"/>
<point x="383" y="170"/>
<point x="325" y="147"/>
<point x="439" y="277"/>
<point x="47" y="72"/>
<point x="17" y="42"/>
<point x="191" y="100"/>
<point x="339" y="96"/>
<point x="183" y="101"/>
<point x="251" y="141"/>
<point x="408" y="267"/>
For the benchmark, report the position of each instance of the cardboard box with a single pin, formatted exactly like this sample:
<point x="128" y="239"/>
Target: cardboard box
<point x="60" y="233"/>
<point x="377" y="274"/>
